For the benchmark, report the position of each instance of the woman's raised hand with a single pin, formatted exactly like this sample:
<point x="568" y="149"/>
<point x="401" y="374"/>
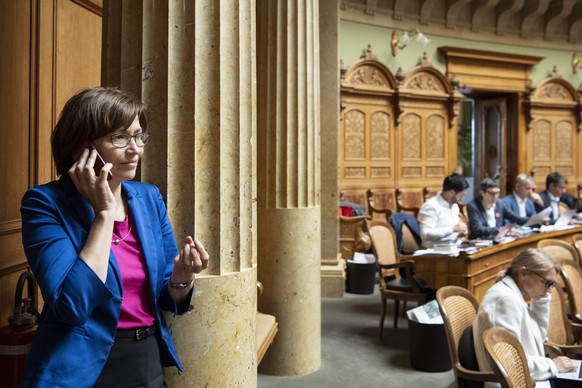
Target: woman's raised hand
<point x="94" y="188"/>
<point x="193" y="258"/>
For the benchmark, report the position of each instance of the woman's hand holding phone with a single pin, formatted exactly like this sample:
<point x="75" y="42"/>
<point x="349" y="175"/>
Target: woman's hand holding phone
<point x="94" y="187"/>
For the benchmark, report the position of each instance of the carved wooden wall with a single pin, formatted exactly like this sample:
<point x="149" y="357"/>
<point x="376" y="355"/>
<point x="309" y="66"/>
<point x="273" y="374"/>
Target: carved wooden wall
<point x="553" y="131"/>
<point x="366" y="150"/>
<point x="395" y="132"/>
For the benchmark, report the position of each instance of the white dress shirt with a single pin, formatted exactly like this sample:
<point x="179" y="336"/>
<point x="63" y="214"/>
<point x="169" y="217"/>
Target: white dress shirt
<point x="491" y="217"/>
<point x="521" y="205"/>
<point x="437" y="218"/>
<point x="554" y="201"/>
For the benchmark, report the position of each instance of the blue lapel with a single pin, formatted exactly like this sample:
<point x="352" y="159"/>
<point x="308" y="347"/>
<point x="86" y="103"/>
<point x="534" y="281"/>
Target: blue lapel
<point x="512" y="203"/>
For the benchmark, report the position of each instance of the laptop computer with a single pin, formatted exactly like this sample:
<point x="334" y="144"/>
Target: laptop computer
<point x="561" y="223"/>
<point x="565" y="218"/>
<point x="574" y="376"/>
<point x="500" y="236"/>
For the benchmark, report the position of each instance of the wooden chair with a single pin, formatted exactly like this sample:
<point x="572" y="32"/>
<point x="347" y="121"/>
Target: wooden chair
<point x="458" y="307"/>
<point x="558" y="249"/>
<point x="428" y="193"/>
<point x="378" y="209"/>
<point x="571" y="275"/>
<point x="562" y="333"/>
<point x="410" y="242"/>
<point x="353" y="236"/>
<point x="507" y="358"/>
<point x="398" y="285"/>
<point x="563" y="208"/>
<point x="577" y="242"/>
<point x="267" y="328"/>
<point x="400" y="208"/>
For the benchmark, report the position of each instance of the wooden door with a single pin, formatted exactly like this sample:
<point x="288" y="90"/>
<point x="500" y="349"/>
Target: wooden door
<point x="492" y="134"/>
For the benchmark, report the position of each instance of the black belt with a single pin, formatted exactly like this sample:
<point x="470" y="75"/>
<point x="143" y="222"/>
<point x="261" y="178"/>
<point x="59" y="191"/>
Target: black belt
<point x="136" y="334"/>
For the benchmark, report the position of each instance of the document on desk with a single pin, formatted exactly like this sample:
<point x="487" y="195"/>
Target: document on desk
<point x="539" y="218"/>
<point x="576" y="374"/>
<point x="563" y="222"/>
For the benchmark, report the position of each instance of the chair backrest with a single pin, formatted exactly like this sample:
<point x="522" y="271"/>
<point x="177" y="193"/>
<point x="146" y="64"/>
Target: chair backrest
<point x="563" y="208"/>
<point x="507" y="358"/>
<point x="571" y="275"/>
<point x="383" y="241"/>
<point x="353" y="236"/>
<point x="559" y="331"/>
<point x="401" y="207"/>
<point x="558" y="249"/>
<point x="458" y="308"/>
<point x="383" y="244"/>
<point x="379" y="205"/>
<point x="410" y="241"/>
<point x="577" y="242"/>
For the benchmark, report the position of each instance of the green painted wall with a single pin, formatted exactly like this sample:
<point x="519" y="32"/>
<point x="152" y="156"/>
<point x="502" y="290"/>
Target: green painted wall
<point x="355" y="37"/>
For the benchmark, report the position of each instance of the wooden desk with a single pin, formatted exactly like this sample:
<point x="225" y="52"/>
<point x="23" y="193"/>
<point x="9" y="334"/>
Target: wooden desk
<point x="477" y="271"/>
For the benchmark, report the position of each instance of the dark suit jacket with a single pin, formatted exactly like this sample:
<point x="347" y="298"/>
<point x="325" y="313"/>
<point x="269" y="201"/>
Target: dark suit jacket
<point x="80" y="314"/>
<point x="478" y="219"/>
<point x="511" y="203"/>
<point x="566" y="198"/>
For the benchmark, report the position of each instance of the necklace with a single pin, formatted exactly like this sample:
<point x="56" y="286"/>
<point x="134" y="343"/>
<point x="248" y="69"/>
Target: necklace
<point x="118" y="240"/>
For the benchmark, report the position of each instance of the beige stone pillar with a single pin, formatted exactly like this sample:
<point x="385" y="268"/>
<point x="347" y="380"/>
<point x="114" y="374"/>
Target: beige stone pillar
<point x="288" y="165"/>
<point x="332" y="267"/>
<point x="198" y="77"/>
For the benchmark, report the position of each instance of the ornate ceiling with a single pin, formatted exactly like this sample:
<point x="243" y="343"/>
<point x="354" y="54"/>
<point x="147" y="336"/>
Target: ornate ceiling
<point x="538" y="23"/>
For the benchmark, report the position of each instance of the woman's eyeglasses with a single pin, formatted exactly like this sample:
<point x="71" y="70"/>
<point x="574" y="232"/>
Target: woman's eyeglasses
<point x="121" y="140"/>
<point x="548" y="283"/>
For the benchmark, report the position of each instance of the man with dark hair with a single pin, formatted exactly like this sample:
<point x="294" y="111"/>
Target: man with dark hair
<point x="551" y="196"/>
<point x="439" y="216"/>
<point x="486" y="214"/>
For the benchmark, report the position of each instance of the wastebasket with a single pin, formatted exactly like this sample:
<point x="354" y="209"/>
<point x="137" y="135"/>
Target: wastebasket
<point x="429" y="350"/>
<point x="361" y="277"/>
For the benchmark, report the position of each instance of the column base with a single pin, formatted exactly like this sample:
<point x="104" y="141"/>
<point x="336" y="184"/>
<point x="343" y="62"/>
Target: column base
<point x="333" y="280"/>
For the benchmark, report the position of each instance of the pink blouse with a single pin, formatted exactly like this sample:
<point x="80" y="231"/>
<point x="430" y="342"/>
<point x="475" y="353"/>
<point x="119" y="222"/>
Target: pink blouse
<point x="135" y="307"/>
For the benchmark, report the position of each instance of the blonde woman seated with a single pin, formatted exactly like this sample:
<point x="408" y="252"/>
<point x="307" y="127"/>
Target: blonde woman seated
<point x="531" y="275"/>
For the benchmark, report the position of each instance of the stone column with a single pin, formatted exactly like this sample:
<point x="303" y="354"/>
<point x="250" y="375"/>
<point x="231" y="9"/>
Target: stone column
<point x="332" y="266"/>
<point x="198" y="77"/>
<point x="288" y="181"/>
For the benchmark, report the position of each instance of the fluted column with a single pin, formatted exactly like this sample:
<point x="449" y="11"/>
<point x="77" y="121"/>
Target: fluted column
<point x="332" y="266"/>
<point x="198" y="78"/>
<point x="289" y="253"/>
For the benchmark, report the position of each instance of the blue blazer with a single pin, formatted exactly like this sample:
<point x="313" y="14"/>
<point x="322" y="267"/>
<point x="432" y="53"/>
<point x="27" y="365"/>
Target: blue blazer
<point x="80" y="313"/>
<point x="511" y="203"/>
<point x="479" y="228"/>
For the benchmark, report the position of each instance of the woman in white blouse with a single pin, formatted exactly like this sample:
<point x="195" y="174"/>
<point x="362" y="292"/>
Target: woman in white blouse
<point x="531" y="274"/>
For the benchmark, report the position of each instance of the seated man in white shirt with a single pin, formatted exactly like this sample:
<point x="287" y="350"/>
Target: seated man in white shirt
<point x="524" y="197"/>
<point x="439" y="216"/>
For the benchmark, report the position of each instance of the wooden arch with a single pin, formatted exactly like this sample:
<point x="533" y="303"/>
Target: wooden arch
<point x="368" y="75"/>
<point x="553" y="130"/>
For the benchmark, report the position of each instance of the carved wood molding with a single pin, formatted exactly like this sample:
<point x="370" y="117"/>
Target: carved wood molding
<point x="426" y="83"/>
<point x="368" y="76"/>
<point x="556" y="94"/>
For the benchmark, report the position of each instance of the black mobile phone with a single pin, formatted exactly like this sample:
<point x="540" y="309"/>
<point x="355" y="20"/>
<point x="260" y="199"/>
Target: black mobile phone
<point x="99" y="162"/>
